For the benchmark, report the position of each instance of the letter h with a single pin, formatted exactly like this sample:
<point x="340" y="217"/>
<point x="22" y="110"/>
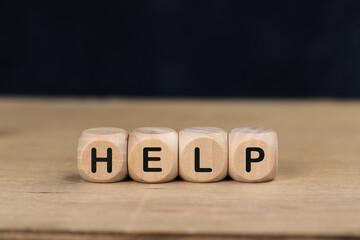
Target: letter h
<point x="94" y="160"/>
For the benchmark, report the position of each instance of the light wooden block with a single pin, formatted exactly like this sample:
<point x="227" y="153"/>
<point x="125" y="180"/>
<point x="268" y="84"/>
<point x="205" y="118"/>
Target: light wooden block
<point x="102" y="154"/>
<point x="253" y="154"/>
<point x="153" y="154"/>
<point x="203" y="154"/>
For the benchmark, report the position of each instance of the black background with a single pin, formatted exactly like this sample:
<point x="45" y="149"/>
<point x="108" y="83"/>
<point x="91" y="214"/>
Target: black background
<point x="181" y="48"/>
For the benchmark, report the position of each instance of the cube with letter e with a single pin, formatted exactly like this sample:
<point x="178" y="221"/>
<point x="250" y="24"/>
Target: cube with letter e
<point x="153" y="154"/>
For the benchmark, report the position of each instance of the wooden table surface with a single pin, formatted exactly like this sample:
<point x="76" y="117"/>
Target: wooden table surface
<point x="316" y="193"/>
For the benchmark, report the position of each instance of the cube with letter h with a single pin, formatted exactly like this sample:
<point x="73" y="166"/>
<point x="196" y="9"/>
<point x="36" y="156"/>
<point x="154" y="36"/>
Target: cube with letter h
<point x="253" y="154"/>
<point x="102" y="154"/>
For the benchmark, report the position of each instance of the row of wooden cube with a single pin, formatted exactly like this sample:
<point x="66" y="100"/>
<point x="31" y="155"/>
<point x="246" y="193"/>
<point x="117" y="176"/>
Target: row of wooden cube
<point x="198" y="154"/>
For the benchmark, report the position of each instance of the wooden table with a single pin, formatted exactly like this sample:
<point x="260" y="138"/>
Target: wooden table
<point x="316" y="193"/>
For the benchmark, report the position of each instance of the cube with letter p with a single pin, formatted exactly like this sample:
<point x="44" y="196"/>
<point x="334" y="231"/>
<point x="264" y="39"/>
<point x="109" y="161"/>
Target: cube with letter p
<point x="253" y="154"/>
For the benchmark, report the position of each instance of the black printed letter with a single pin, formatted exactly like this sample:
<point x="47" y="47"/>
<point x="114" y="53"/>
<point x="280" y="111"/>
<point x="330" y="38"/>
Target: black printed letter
<point x="249" y="160"/>
<point x="146" y="159"/>
<point x="197" y="162"/>
<point x="94" y="160"/>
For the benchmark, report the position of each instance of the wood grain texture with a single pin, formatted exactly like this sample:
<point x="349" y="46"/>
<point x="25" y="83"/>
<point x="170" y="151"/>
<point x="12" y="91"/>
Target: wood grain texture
<point x="212" y="154"/>
<point x="264" y="139"/>
<point x="315" y="194"/>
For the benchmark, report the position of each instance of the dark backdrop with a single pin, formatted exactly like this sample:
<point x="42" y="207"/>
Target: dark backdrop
<point x="181" y="48"/>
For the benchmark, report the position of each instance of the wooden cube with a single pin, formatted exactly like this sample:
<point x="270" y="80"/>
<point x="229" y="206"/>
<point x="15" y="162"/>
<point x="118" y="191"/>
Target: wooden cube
<point x="253" y="154"/>
<point x="153" y="154"/>
<point x="102" y="154"/>
<point x="203" y="154"/>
